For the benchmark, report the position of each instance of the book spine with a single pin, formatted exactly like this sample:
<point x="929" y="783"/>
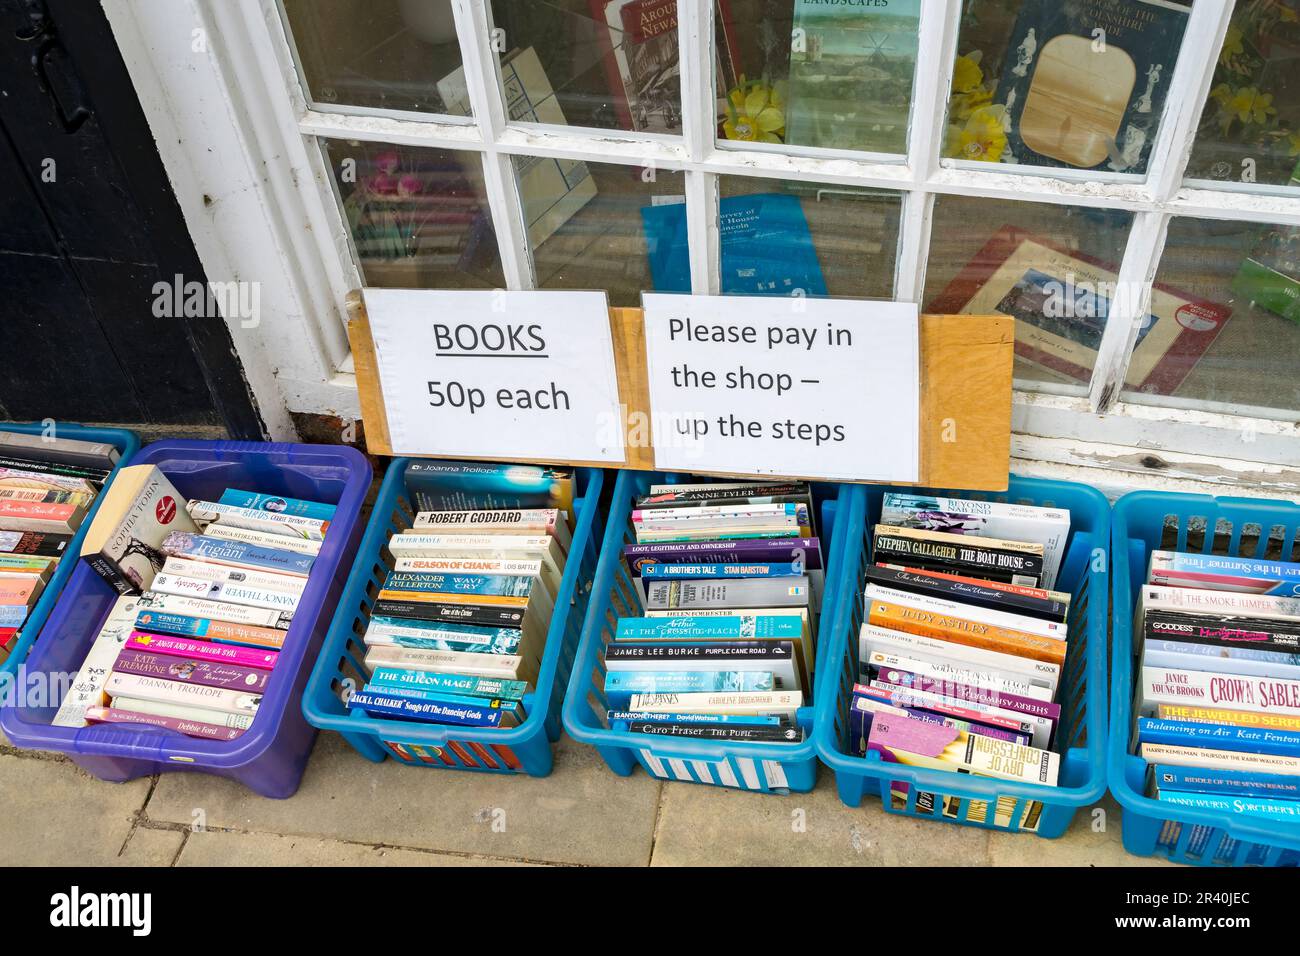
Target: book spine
<point x="728" y="732"/>
<point x="759" y="551"/>
<point x="279" y="542"/>
<point x="970" y="591"/>
<point x="1262" y="807"/>
<point x="13" y="615"/>
<point x="728" y="627"/>
<point x="494" y="585"/>
<point x="400" y="677"/>
<point x="454" y="662"/>
<point x="180" y="625"/>
<point x="673" y="595"/>
<point x="654" y="572"/>
<point x="191" y="728"/>
<point x="471" y="566"/>
<point x="532" y="520"/>
<point x="484" y="615"/>
<point x="12" y="463"/>
<point x="955" y="630"/>
<point x="1262" y="695"/>
<point x="222" y="574"/>
<point x="205" y="513"/>
<point x="277" y="504"/>
<point x="939" y="668"/>
<point x="88" y="687"/>
<point x="1244" y="782"/>
<point x="1216" y="571"/>
<point x="206" y="715"/>
<point x="152" y="601"/>
<point x="668" y="717"/>
<point x="973" y="694"/>
<point x="202" y="650"/>
<point x="1229" y="660"/>
<point x="109" y="572"/>
<point x="1174" y="733"/>
<point x="378" y="705"/>
<point x="232" y="592"/>
<point x="68" y="451"/>
<point x="34" y="543"/>
<point x="193" y="670"/>
<point x="176" y="692"/>
<point x="1056" y="630"/>
<point x="443" y="637"/>
<point x="1239" y="718"/>
<point x="1179" y="600"/>
<point x="626" y="683"/>
<point x="19" y="515"/>
<point x="777" y="703"/>
<point x="183" y="544"/>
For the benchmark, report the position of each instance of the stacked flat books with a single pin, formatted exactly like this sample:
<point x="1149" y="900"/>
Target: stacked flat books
<point x="962" y="646"/>
<point x="47" y="484"/>
<point x="730" y="578"/>
<point x="1217" y="696"/>
<point x="458" y="630"/>
<point x="208" y="590"/>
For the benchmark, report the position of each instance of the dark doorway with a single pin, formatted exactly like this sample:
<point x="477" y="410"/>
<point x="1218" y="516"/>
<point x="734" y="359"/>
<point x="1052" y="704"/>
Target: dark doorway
<point x="89" y="227"/>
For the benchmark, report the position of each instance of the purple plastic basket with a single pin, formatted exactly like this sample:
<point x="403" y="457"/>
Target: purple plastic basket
<point x="271" y="756"/>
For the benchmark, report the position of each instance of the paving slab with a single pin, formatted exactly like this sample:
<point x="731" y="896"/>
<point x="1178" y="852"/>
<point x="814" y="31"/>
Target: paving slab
<point x="217" y="848"/>
<point x="580" y="814"/>
<point x="716" y="826"/>
<point x="56" y="815"/>
<point x="148" y="847"/>
<point x="1094" y="839"/>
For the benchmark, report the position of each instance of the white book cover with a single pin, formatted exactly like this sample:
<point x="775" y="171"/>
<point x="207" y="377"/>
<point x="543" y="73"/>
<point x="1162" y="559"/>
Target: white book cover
<point x="1265" y="695"/>
<point x="1218" y="759"/>
<point x="87" y="688"/>
<point x="872" y="638"/>
<point x="939" y="668"/>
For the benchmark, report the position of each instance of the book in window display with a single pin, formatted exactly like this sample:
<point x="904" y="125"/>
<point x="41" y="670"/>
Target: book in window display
<point x="1060" y="301"/>
<point x="851" y="69"/>
<point x="1084" y="82"/>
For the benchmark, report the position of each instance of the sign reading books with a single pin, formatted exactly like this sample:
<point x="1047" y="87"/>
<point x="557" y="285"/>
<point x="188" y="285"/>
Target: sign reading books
<point x="822" y="388"/>
<point x="528" y="375"/>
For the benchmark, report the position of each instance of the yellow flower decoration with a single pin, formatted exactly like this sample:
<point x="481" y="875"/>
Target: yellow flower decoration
<point x="1232" y="45"/>
<point x="1251" y="106"/>
<point x="983" y="139"/>
<point x="1294" y="144"/>
<point x="966" y="75"/>
<point x="964" y="105"/>
<point x="756" y="113"/>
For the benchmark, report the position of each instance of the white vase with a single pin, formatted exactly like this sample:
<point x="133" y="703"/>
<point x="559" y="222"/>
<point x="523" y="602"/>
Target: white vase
<point x="429" y="20"/>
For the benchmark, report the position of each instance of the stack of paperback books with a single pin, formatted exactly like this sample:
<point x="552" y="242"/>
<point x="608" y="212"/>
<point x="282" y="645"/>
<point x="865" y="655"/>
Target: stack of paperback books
<point x="962" y="645"/>
<point x="457" y="632"/>
<point x="46" y="486"/>
<point x="1218" y="699"/>
<point x="731" y="578"/>
<point x="208" y="591"/>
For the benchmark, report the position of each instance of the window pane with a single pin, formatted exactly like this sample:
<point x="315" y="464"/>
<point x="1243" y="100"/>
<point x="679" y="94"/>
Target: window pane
<point x="596" y="226"/>
<point x="819" y="73"/>
<point x="611" y="64"/>
<point x="1066" y="83"/>
<point x="381" y="54"/>
<point x="1250" y="129"/>
<point x="418" y="217"/>
<point x="1051" y="267"/>
<point x="790" y="238"/>
<point x="1232" y="292"/>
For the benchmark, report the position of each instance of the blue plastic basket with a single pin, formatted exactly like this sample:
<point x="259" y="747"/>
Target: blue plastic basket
<point x="341" y="668"/>
<point x="271" y="755"/>
<point x="1080" y="736"/>
<point x="127" y="444"/>
<point x="765" y="767"/>
<point x="1145" y="521"/>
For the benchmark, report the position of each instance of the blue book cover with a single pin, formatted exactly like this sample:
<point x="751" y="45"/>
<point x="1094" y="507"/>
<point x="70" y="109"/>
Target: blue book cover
<point x="439" y="636"/>
<point x="667" y="718"/>
<point x="277" y="504"/>
<point x="766" y="247"/>
<point x="1247" y="783"/>
<point x="738" y="627"/>
<point x="495" y="585"/>
<point x="1254" y="740"/>
<point x="13" y="615"/>
<point x="621" y="685"/>
<point x="652" y="572"/>
<point x="1264" y="807"/>
<point x="401" y="678"/>
<point x="513" y="709"/>
<point x="428" y="711"/>
<point x="1070" y="102"/>
<point x="1225" y="572"/>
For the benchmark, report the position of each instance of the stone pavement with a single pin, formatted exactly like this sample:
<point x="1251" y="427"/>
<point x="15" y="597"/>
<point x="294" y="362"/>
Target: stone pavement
<point x="352" y="812"/>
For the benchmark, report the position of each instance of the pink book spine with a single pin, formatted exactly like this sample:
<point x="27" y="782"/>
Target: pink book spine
<point x="191" y="728"/>
<point x="202" y="650"/>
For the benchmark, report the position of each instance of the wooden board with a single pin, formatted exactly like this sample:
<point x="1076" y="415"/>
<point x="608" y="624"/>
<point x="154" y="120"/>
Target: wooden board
<point x="966" y="363"/>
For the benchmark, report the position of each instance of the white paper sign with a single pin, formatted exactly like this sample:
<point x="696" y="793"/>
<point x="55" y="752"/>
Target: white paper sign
<point x="496" y="374"/>
<point x="822" y="388"/>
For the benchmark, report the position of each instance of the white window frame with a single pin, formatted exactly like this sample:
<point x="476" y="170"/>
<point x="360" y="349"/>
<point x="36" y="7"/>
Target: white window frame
<point x="238" y="137"/>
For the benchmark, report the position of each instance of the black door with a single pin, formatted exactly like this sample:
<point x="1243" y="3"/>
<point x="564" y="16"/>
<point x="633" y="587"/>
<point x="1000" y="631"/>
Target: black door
<point x="89" y="227"/>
